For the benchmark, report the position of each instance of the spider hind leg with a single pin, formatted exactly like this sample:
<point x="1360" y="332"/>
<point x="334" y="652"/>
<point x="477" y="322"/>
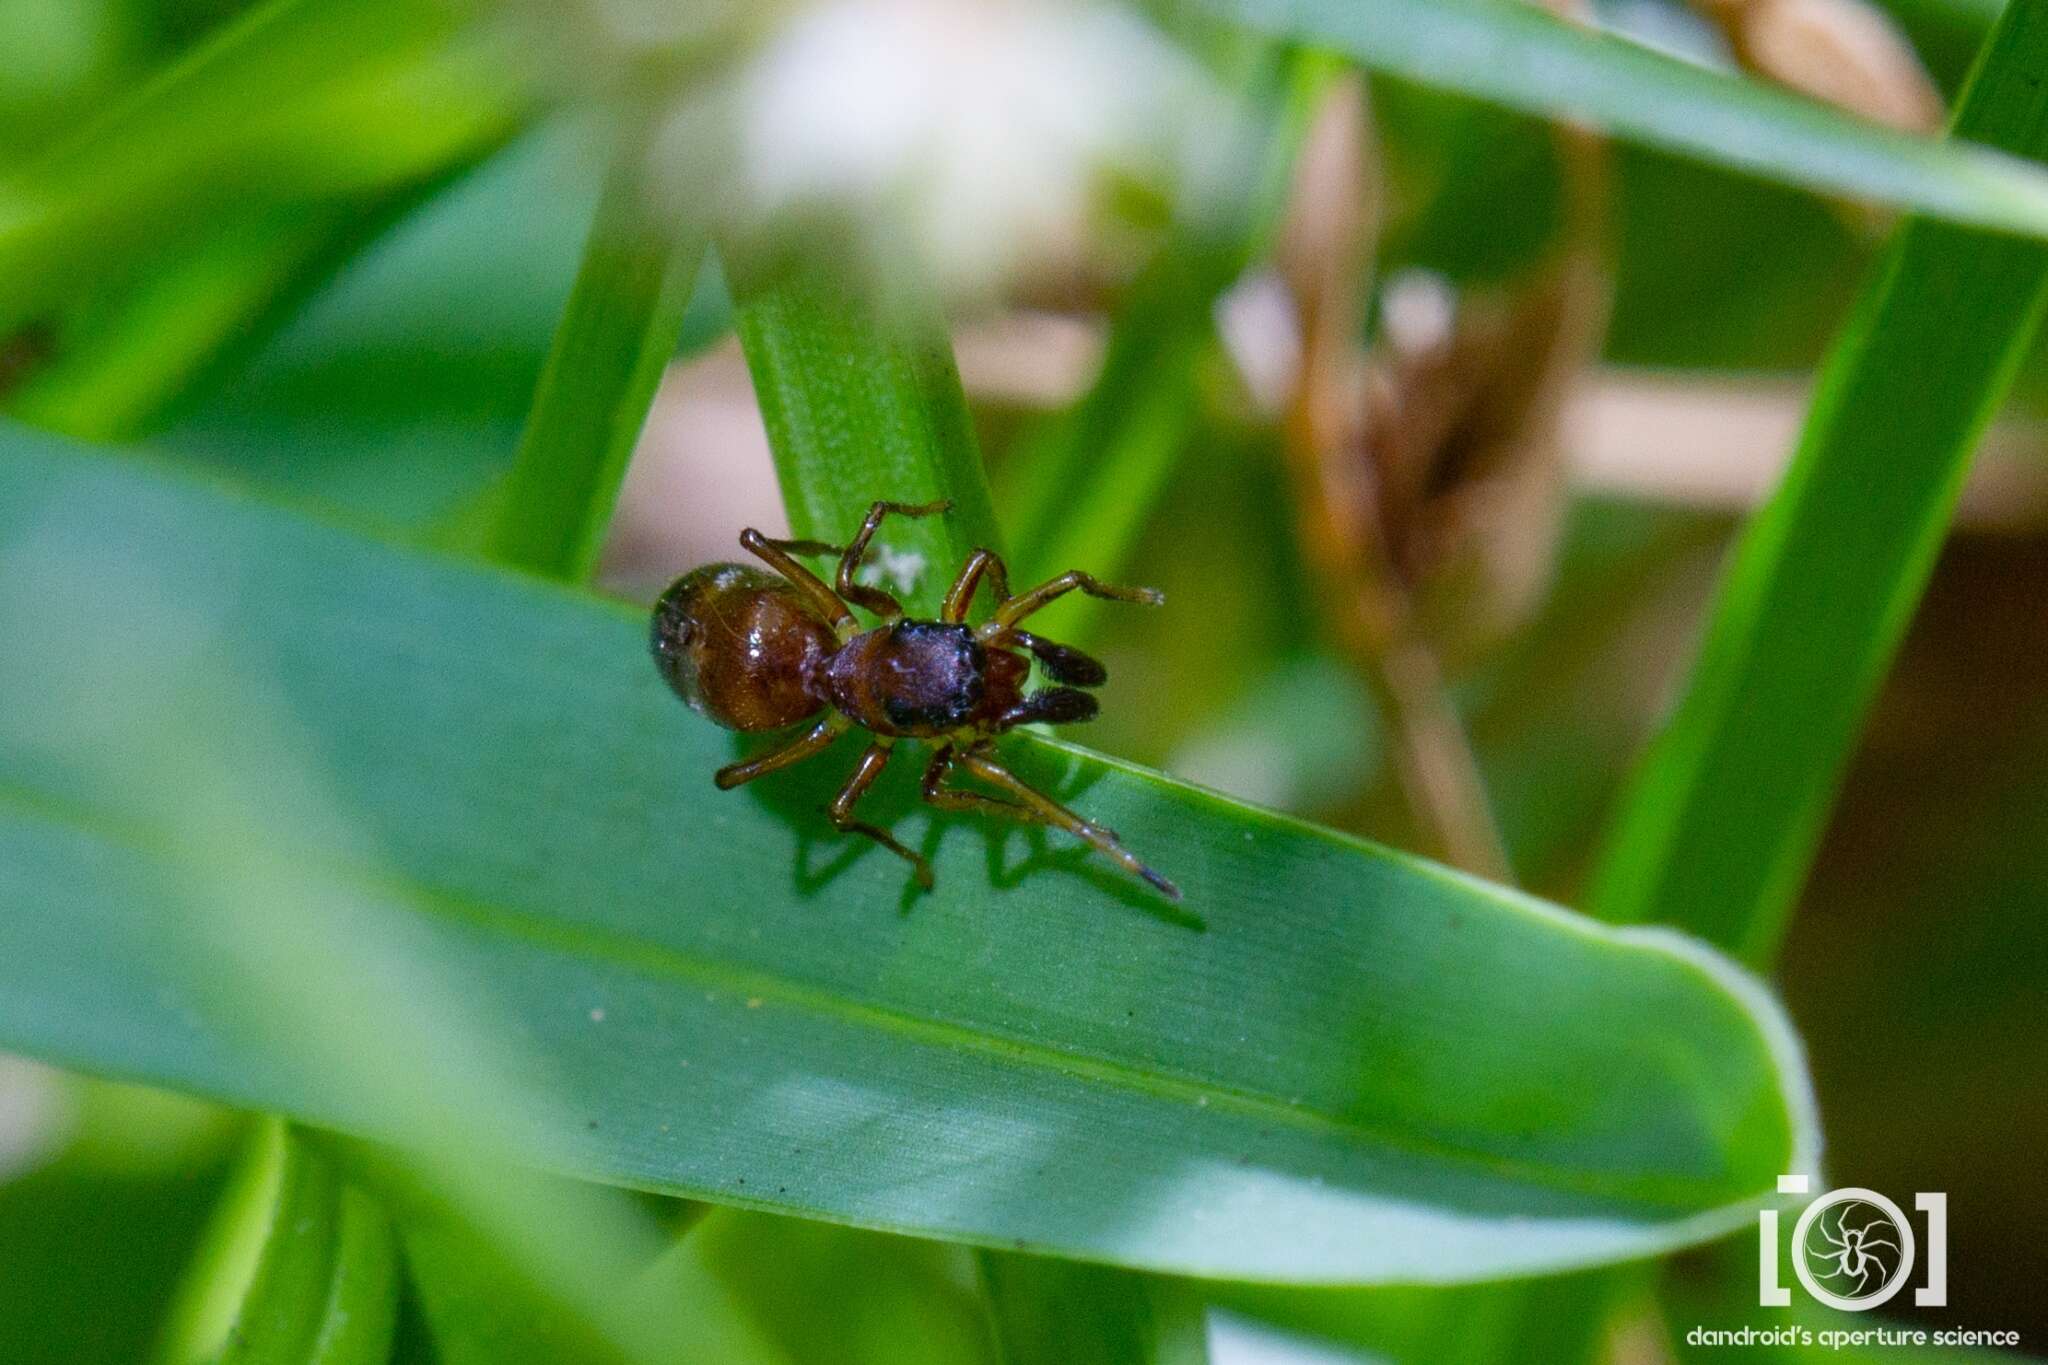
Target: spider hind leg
<point x="1021" y="801"/>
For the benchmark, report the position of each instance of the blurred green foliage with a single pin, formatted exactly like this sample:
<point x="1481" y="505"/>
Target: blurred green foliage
<point x="321" y="253"/>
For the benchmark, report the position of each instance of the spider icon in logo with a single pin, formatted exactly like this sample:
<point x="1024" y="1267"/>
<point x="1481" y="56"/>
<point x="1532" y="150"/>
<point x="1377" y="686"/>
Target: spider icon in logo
<point x="1852" y="1249"/>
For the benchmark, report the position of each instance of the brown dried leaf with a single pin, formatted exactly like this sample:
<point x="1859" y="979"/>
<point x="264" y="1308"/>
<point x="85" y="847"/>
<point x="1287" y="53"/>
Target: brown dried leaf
<point x="1845" y="53"/>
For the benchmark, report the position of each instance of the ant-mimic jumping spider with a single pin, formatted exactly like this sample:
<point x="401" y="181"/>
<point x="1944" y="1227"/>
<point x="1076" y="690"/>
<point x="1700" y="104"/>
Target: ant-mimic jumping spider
<point x="757" y="652"/>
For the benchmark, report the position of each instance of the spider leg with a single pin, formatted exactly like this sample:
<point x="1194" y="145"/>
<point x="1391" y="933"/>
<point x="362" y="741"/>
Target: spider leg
<point x="1053" y="706"/>
<point x="961" y="595"/>
<point x="861" y="595"/>
<point x="1832" y="1235"/>
<point x="795" y="751"/>
<point x="841" y="810"/>
<point x="1062" y="663"/>
<point x="1015" y="609"/>
<point x="1872" y="1243"/>
<point x="952" y="798"/>
<point x="779" y="556"/>
<point x="980" y="762"/>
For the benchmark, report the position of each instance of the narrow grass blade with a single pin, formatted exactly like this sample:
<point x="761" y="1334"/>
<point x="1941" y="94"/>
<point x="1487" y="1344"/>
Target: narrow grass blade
<point x="625" y="313"/>
<point x="825" y="1293"/>
<point x="1087" y="481"/>
<point x="1357" y="1068"/>
<point x="863" y="402"/>
<point x="1719" y="828"/>
<point x="1033" y="1319"/>
<point x="301" y="1268"/>
<point x="1519" y="56"/>
<point x="145" y="346"/>
<point x="1049" y="1312"/>
<point x="289" y="87"/>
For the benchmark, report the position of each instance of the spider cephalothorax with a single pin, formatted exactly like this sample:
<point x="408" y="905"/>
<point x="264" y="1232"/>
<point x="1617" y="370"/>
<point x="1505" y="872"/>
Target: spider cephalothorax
<point x="755" y="651"/>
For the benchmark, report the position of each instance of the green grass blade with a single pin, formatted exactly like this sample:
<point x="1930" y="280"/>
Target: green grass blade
<point x="862" y="402"/>
<point x="301" y="1268"/>
<point x="481" y="1309"/>
<point x="624" y="315"/>
<point x="921" y="436"/>
<point x="825" y="1293"/>
<point x="1361" y="1067"/>
<point x="1552" y="1320"/>
<point x="1050" y="1312"/>
<point x="1086" y="482"/>
<point x="1721" y="824"/>
<point x="146" y="346"/>
<point x="289" y="89"/>
<point x="1519" y="56"/>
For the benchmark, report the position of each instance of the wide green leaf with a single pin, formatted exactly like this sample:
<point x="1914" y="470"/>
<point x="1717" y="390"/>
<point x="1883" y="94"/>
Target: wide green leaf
<point x="1721" y="824"/>
<point x="1357" y="1067"/>
<point x="1522" y="57"/>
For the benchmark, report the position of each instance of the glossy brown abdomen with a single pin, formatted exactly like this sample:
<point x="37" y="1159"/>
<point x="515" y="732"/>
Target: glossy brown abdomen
<point x="740" y="647"/>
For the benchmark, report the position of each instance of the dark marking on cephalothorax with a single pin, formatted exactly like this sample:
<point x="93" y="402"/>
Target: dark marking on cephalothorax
<point x="911" y="677"/>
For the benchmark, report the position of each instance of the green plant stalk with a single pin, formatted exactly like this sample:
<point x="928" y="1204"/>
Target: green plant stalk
<point x="625" y="311"/>
<point x="299" y="1268"/>
<point x="862" y="401"/>
<point x="1086" y="482"/>
<point x="1720" y="824"/>
<point x="549" y="517"/>
<point x="137" y="355"/>
<point x="111" y="376"/>
<point x="1049" y="1312"/>
<point x="828" y="365"/>
<point x="1522" y="58"/>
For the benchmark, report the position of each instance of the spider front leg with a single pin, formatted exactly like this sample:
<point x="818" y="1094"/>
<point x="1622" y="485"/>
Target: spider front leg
<point x="860" y="594"/>
<point x="1015" y="609"/>
<point x="1062" y="663"/>
<point x="960" y="596"/>
<point x="779" y="555"/>
<point x="1050" y="706"/>
<point x="841" y="810"/>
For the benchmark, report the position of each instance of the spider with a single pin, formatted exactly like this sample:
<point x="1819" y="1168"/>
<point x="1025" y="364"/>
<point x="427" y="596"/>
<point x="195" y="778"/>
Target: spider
<point x="754" y="651"/>
<point x="1853" y="1249"/>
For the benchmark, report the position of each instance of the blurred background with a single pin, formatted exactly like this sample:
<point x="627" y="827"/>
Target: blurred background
<point x="1205" y="294"/>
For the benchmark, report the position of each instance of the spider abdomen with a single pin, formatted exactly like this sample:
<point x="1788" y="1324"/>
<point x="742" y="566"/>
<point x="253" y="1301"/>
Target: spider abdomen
<point x="742" y="648"/>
